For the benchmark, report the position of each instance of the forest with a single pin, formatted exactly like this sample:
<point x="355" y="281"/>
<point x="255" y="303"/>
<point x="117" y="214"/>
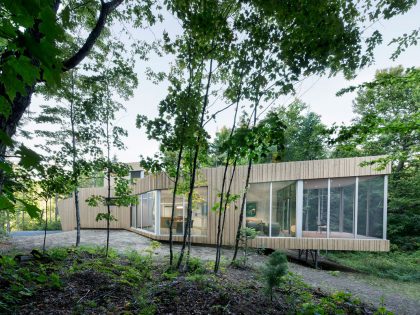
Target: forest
<point x="68" y="68"/>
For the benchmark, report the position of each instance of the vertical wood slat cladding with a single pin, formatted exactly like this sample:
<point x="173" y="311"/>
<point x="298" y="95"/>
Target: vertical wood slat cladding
<point x="88" y="214"/>
<point x="330" y="168"/>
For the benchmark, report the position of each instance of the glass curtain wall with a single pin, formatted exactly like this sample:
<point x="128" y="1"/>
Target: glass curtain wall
<point x="370" y="207"/>
<point x="315" y="204"/>
<point x="154" y="208"/>
<point x="133" y="210"/>
<point x="199" y="211"/>
<point x="166" y="211"/>
<point x="138" y="212"/>
<point x="283" y="216"/>
<point x="148" y="211"/>
<point x="258" y="208"/>
<point x="282" y="196"/>
<point x="342" y="206"/>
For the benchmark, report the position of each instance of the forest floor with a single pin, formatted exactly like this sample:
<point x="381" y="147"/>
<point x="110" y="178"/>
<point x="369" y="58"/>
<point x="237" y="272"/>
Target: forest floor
<point x="399" y="297"/>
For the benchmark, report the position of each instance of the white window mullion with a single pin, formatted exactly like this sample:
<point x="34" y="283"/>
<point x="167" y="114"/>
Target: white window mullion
<point x="271" y="209"/>
<point x="183" y="214"/>
<point x="157" y="212"/>
<point x="385" y="207"/>
<point x="299" y="208"/>
<point x="356" y="206"/>
<point x="141" y="211"/>
<point x="328" y="207"/>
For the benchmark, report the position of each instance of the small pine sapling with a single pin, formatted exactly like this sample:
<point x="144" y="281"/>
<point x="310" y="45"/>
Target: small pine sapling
<point x="274" y="270"/>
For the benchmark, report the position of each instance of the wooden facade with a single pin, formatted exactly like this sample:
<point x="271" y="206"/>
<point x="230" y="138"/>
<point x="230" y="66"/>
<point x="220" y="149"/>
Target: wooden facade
<point x="212" y="178"/>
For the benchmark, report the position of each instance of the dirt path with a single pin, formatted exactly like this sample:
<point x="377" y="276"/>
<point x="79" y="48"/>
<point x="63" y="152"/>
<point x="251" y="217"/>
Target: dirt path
<point x="368" y="289"/>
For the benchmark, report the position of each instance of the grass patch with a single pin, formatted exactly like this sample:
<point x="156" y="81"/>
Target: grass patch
<point x="398" y="266"/>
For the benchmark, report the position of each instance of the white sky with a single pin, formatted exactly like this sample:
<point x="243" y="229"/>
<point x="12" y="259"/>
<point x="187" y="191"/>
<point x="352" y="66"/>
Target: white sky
<point x="318" y="92"/>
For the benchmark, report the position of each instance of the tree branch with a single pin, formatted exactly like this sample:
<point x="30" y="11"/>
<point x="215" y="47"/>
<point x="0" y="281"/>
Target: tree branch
<point x="106" y="9"/>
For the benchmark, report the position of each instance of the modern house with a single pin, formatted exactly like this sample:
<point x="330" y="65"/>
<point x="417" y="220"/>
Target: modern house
<point x="332" y="204"/>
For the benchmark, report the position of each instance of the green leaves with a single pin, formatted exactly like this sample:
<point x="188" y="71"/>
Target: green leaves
<point x="28" y="158"/>
<point x="31" y="209"/>
<point x="388" y="119"/>
<point x="30" y="38"/>
<point x="5" y="203"/>
<point x="105" y="216"/>
<point x="94" y="201"/>
<point x="5" y="138"/>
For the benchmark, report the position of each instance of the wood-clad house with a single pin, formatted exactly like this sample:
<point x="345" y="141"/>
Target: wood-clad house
<point x="332" y="204"/>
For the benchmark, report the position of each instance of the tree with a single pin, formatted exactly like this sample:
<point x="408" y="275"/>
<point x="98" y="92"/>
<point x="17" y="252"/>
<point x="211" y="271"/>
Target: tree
<point x="217" y="148"/>
<point x="174" y="128"/>
<point x="286" y="40"/>
<point x="110" y="136"/>
<point x="40" y="43"/>
<point x="387" y="124"/>
<point x="73" y="143"/>
<point x="387" y="118"/>
<point x="305" y="136"/>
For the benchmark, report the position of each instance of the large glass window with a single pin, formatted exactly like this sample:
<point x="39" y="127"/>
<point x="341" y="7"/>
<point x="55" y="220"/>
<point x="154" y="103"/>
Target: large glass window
<point x="133" y="210"/>
<point x="370" y="207"/>
<point x="199" y="212"/>
<point x="138" y="212"/>
<point x="283" y="208"/>
<point x="166" y="211"/>
<point x="258" y="208"/>
<point x="342" y="204"/>
<point x="148" y="211"/>
<point x="283" y="217"/>
<point x="315" y="203"/>
<point x="319" y="198"/>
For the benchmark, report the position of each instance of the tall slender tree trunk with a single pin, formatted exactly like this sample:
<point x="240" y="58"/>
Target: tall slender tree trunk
<point x="108" y="176"/>
<point x="7" y="222"/>
<point x="76" y="203"/>
<point x="50" y="209"/>
<point x="178" y="167"/>
<point x="75" y="171"/>
<point x="46" y="226"/>
<point x="241" y="214"/>
<point x="187" y="232"/>
<point x="108" y="207"/>
<point x="56" y="207"/>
